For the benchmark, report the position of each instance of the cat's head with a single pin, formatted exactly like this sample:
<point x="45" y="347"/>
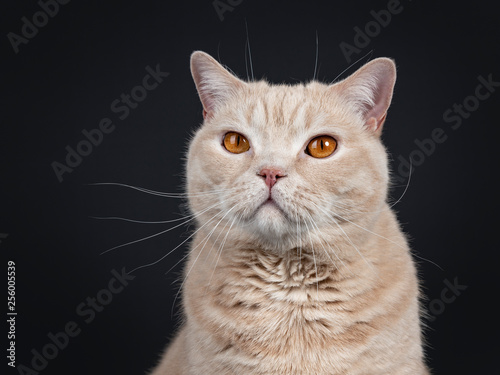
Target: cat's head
<point x="276" y="163"/>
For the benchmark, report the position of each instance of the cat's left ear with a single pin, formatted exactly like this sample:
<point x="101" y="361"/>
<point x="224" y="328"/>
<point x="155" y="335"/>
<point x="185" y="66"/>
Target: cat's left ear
<point x="214" y="83"/>
<point x="370" y="90"/>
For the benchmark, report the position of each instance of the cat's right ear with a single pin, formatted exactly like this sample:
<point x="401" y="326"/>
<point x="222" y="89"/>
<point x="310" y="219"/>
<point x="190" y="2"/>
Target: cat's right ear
<point x="214" y="83"/>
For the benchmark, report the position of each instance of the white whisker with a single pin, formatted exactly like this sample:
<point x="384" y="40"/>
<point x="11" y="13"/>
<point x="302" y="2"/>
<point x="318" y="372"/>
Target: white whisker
<point x="349" y="67"/>
<point x="187" y="253"/>
<point x="221" y="247"/>
<point x="378" y="235"/>
<point x="139" y="221"/>
<point x="359" y="226"/>
<point x="316" y="61"/>
<point x="206" y="239"/>
<point x="163" y="194"/>
<point x="333" y="251"/>
<point x="159" y="233"/>
<point x="314" y="259"/>
<point x="406" y="187"/>
<point x="175" y="248"/>
<point x="348" y="238"/>
<point x="249" y="51"/>
<point x="346" y="208"/>
<point x="297" y="230"/>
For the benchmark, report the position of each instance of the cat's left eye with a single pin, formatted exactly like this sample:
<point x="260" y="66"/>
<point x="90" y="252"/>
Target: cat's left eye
<point x="236" y="143"/>
<point x="321" y="147"/>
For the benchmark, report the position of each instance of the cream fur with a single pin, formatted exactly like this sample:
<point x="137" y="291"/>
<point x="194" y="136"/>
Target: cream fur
<point x="322" y="282"/>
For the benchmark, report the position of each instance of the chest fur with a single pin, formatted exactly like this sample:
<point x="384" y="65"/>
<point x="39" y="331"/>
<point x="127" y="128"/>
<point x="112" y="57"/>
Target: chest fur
<point x="297" y="316"/>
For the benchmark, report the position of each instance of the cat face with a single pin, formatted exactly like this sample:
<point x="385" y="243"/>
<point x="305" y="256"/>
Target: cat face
<point x="273" y="162"/>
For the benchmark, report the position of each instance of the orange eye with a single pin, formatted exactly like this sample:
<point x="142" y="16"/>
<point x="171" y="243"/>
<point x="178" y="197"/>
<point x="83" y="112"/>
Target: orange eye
<point x="236" y="143"/>
<point x="321" y="147"/>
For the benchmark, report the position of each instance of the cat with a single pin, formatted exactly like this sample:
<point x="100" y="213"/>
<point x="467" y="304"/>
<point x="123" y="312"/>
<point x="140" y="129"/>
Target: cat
<point x="298" y="264"/>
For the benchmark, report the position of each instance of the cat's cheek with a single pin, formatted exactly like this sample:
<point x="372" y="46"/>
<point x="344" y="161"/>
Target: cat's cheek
<point x="321" y="174"/>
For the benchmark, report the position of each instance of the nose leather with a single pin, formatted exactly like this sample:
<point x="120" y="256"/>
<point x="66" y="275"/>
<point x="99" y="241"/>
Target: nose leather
<point x="271" y="175"/>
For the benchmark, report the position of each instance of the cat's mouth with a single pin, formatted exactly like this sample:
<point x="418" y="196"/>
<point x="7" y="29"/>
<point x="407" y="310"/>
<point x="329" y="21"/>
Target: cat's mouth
<point x="269" y="200"/>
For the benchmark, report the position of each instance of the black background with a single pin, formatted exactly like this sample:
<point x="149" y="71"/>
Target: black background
<point x="65" y="78"/>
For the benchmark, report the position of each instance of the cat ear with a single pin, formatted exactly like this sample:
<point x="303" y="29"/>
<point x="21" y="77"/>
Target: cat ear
<point x="370" y="90"/>
<point x="214" y="83"/>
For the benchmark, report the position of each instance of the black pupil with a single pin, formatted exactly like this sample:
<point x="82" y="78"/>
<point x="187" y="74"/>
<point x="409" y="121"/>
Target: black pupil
<point x="238" y="142"/>
<point x="321" y="144"/>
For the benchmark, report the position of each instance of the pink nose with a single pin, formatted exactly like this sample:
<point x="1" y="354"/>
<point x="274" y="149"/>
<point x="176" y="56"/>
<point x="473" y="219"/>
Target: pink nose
<point x="271" y="175"/>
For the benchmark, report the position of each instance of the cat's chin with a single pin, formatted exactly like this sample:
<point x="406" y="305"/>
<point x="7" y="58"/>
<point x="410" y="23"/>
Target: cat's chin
<point x="270" y="214"/>
<point x="271" y="224"/>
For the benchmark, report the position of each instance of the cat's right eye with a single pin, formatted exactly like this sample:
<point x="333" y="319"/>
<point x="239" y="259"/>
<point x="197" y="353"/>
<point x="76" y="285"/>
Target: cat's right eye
<point x="236" y="143"/>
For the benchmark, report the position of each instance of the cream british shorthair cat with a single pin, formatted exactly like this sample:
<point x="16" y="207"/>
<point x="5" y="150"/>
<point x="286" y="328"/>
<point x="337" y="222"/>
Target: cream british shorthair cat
<point x="298" y="265"/>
